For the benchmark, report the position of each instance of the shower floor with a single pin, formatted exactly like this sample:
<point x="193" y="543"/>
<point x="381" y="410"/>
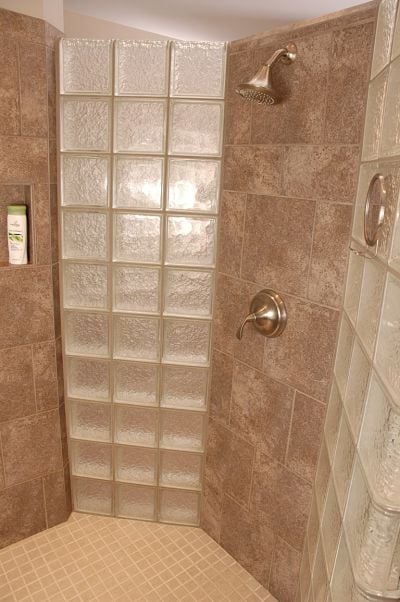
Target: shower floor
<point x="105" y="559"/>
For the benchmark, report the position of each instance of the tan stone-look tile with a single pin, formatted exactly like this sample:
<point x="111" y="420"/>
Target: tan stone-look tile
<point x="42" y="228"/>
<point x="285" y="571"/>
<point x="321" y="478"/>
<point x="67" y="487"/>
<point x="237" y="120"/>
<point x="51" y="35"/>
<point x="230" y="237"/>
<point x="60" y="370"/>
<point x="221" y="386"/>
<point x="2" y="480"/>
<point x="22" y="512"/>
<point x="9" y="84"/>
<point x="45" y="375"/>
<point x="277" y="242"/>
<point x="51" y="92"/>
<point x="255" y="169"/>
<point x="54" y="223"/>
<point x="53" y="160"/>
<point x="55" y="275"/>
<point x="56" y="497"/>
<point x="26" y="159"/>
<point x="33" y="84"/>
<point x="22" y="27"/>
<point x="17" y="397"/>
<point x="211" y="510"/>
<point x="63" y="434"/>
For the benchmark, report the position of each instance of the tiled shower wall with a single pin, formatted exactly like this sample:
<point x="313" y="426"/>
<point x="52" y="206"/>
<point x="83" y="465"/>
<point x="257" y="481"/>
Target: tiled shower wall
<point x="290" y="178"/>
<point x="352" y="545"/>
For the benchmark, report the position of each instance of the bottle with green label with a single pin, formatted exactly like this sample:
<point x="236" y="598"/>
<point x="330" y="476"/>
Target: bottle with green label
<point x="17" y="234"/>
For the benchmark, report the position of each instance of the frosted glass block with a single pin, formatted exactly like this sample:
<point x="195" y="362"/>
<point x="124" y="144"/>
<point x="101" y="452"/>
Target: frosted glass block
<point x="330" y="527"/>
<point x="353" y="286"/>
<point x="319" y="576"/>
<point x="388" y="345"/>
<point x="367" y="171"/>
<point x="188" y="292"/>
<point x="86" y="66"/>
<point x="343" y="586"/>
<point x="137" y="237"/>
<point x="383" y="36"/>
<point x="136" y="383"/>
<point x="141" y="67"/>
<point x="184" y="387"/>
<point x="343" y="354"/>
<point x="182" y="430"/>
<point x="180" y="469"/>
<point x="186" y="341"/>
<point x="84" y="180"/>
<point x="198" y="69"/>
<point x="88" y="379"/>
<point x="191" y="241"/>
<point x="136" y="465"/>
<point x="136" y="338"/>
<point x="84" y="235"/>
<point x="138" y="182"/>
<point x="356" y="389"/>
<point x="136" y="502"/>
<point x="85" y="285"/>
<point x="390" y="144"/>
<point x="92" y="496"/>
<point x="332" y="421"/>
<point x="393" y="183"/>
<point x="136" y="426"/>
<point x="374" y="117"/>
<point x="90" y="459"/>
<point x="370" y="303"/>
<point x="136" y="289"/>
<point x="396" y="38"/>
<point x="86" y="333"/>
<point x="85" y="124"/>
<point x="139" y="126"/>
<point x="193" y="185"/>
<point x="181" y="507"/>
<point x="90" y="420"/>
<point x="343" y="462"/>
<point x="195" y="128"/>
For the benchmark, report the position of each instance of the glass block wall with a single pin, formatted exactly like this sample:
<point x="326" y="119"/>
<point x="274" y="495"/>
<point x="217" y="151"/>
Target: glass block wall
<point x="140" y="161"/>
<point x="352" y="549"/>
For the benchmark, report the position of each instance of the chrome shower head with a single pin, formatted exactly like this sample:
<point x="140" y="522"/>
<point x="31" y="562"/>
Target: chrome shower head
<point x="259" y="88"/>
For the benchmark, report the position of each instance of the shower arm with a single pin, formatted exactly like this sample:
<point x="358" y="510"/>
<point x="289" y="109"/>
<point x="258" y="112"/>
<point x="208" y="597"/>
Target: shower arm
<point x="282" y="53"/>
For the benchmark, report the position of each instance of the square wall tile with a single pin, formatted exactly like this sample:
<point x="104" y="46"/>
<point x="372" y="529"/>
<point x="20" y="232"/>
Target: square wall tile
<point x="374" y="117"/>
<point x="136" y="338"/>
<point x="84" y="235"/>
<point x="138" y="182"/>
<point x="184" y="387"/>
<point x="390" y="143"/>
<point x="135" y="426"/>
<point x="182" y="430"/>
<point x="191" y="241"/>
<point x="89" y="420"/>
<point x="179" y="469"/>
<point x="188" y="292"/>
<point x="85" y="180"/>
<point x="181" y="507"/>
<point x="85" y="124"/>
<point x="383" y="35"/>
<point x="186" y="341"/>
<point x="139" y="126"/>
<point x="85" y="285"/>
<point x="137" y="237"/>
<point x="136" y="383"/>
<point x="85" y="66"/>
<point x="89" y="459"/>
<point x="343" y="354"/>
<point x="86" y="333"/>
<point x="136" y="465"/>
<point x="193" y="185"/>
<point x="136" y="289"/>
<point x="136" y="502"/>
<point x="141" y="67"/>
<point x="88" y="379"/>
<point x="92" y="496"/>
<point x="198" y="69"/>
<point x="388" y="345"/>
<point x="195" y="128"/>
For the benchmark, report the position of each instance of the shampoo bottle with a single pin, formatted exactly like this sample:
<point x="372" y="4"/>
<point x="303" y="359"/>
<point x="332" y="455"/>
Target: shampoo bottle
<point x="17" y="234"/>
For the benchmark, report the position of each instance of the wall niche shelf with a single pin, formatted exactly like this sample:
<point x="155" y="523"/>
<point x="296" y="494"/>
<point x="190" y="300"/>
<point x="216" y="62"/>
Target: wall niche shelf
<point x="15" y="193"/>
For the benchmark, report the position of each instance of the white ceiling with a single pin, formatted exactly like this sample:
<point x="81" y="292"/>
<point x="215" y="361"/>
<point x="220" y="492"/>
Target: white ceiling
<point x="206" y="19"/>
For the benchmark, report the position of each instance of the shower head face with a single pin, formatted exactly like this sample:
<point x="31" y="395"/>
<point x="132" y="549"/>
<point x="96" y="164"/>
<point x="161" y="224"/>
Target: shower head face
<point x="259" y="94"/>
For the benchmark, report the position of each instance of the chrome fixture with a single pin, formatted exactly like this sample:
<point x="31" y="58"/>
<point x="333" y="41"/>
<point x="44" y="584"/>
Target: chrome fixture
<point x="260" y="88"/>
<point x="374" y="214"/>
<point x="267" y="314"/>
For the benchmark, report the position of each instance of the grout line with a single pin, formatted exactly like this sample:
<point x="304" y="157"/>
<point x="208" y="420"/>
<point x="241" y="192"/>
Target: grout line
<point x="290" y="429"/>
<point x="310" y="257"/>
<point x="44" y="503"/>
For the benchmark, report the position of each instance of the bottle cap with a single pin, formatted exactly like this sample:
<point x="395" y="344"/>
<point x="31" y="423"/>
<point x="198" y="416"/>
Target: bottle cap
<point x="16" y="209"/>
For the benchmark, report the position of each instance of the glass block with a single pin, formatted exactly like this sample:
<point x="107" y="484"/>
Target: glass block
<point x="356" y="389"/>
<point x="141" y="67"/>
<point x="374" y="117"/>
<point x="136" y="338"/>
<point x="343" y="354"/>
<point x="180" y="469"/>
<point x="90" y="420"/>
<point x="181" y="507"/>
<point x="198" y="69"/>
<point x="370" y="303"/>
<point x="84" y="180"/>
<point x="396" y="38"/>
<point x="138" y="182"/>
<point x="330" y="527"/>
<point x="193" y="185"/>
<point x="388" y="345"/>
<point x="136" y="465"/>
<point x="191" y="241"/>
<point x="88" y="379"/>
<point x="136" y="289"/>
<point x="391" y="172"/>
<point x="136" y="426"/>
<point x="86" y="66"/>
<point x="94" y="497"/>
<point x="90" y="459"/>
<point x="353" y="286"/>
<point x="188" y="292"/>
<point x="136" y="502"/>
<point x="86" y="333"/>
<point x="319" y="576"/>
<point x="390" y="143"/>
<point x="332" y="421"/>
<point x="394" y="193"/>
<point x="383" y="35"/>
<point x="184" y="387"/>
<point x="343" y="586"/>
<point x="84" y="235"/>
<point x="85" y="285"/>
<point x="85" y="124"/>
<point x="367" y="171"/>
<point x="137" y="238"/>
<point x="136" y="383"/>
<point x="343" y="462"/>
<point x="186" y="341"/>
<point x="182" y="430"/>
<point x="195" y="128"/>
<point x="139" y="126"/>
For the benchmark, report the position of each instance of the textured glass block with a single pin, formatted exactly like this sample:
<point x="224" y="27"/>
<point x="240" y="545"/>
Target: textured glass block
<point x="136" y="426"/>
<point x="193" y="185"/>
<point x="84" y="180"/>
<point x="137" y="237"/>
<point x="391" y="172"/>
<point x="390" y="143"/>
<point x="86" y="333"/>
<point x="139" y="126"/>
<point x="85" y="285"/>
<point x="90" y="420"/>
<point x="343" y="586"/>
<point x="141" y="67"/>
<point x="319" y="576"/>
<point x="136" y="289"/>
<point x="367" y="171"/>
<point x="356" y="389"/>
<point x="94" y="497"/>
<point x="179" y="469"/>
<point x="136" y="383"/>
<point x="84" y="235"/>
<point x="396" y="38"/>
<point x="136" y="465"/>
<point x="181" y="507"/>
<point x="86" y="66"/>
<point x="383" y="35"/>
<point x="388" y="345"/>
<point x="195" y="128"/>
<point x="184" y="387"/>
<point x="198" y="69"/>
<point x="138" y="182"/>
<point x="188" y="292"/>
<point x="343" y="462"/>
<point x="332" y="421"/>
<point x="353" y="286"/>
<point x="191" y="241"/>
<point x="136" y="502"/>
<point x="136" y="338"/>
<point x="88" y="379"/>
<point x="343" y="354"/>
<point x="374" y="117"/>
<point x="186" y="341"/>
<point x="370" y="303"/>
<point x="85" y="124"/>
<point x="90" y="459"/>
<point x="182" y="430"/>
<point x="330" y="527"/>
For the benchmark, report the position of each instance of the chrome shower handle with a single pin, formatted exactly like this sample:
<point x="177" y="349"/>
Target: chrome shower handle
<point x="268" y="314"/>
<point x="249" y="318"/>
